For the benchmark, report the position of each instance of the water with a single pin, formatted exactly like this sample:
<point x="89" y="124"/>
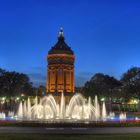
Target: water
<point x="122" y="116"/>
<point x="78" y="109"/>
<point x="104" y="113"/>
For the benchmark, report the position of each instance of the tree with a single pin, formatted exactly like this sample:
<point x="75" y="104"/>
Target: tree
<point x="41" y="90"/>
<point x="101" y="85"/>
<point x="14" y="84"/>
<point x="131" y="83"/>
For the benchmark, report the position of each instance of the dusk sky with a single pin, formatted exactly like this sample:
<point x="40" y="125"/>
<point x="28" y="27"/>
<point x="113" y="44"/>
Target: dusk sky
<point x="104" y="34"/>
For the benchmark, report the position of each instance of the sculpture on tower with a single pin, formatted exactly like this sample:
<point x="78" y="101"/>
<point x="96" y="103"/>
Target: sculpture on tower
<point x="60" y="77"/>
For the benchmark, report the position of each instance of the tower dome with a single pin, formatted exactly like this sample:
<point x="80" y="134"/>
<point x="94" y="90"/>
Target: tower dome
<point x="60" y="47"/>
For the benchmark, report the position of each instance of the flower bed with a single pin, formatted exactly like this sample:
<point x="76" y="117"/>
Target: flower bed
<point x="70" y="124"/>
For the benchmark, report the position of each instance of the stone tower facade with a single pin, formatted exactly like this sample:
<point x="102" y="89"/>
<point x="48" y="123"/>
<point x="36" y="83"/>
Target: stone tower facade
<point x="60" y="74"/>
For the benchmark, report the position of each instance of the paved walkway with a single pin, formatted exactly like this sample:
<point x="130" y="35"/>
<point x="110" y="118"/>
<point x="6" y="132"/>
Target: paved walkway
<point x="106" y="130"/>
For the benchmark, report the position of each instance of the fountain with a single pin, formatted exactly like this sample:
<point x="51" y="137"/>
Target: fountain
<point x="104" y="114"/>
<point x="78" y="108"/>
<point x="2" y="115"/>
<point x="122" y="116"/>
<point x="111" y="115"/>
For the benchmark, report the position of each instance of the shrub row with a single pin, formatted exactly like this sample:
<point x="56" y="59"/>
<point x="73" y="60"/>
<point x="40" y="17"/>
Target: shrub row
<point x="68" y="125"/>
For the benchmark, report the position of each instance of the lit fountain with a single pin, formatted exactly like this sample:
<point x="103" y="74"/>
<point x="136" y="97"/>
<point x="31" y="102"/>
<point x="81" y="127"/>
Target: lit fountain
<point x="78" y="108"/>
<point x="111" y="115"/>
<point x="104" y="114"/>
<point x="2" y="115"/>
<point x="122" y="116"/>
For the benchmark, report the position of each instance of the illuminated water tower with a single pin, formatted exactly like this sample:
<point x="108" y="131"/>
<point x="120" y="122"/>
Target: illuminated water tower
<point x="60" y="77"/>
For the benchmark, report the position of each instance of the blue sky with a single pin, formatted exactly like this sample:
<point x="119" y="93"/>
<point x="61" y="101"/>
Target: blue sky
<point x="104" y="34"/>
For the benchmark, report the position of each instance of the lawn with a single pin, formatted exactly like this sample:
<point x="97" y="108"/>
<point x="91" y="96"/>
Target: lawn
<point x="69" y="137"/>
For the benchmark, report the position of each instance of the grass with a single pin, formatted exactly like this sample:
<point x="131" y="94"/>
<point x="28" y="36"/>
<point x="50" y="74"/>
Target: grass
<point x="69" y="137"/>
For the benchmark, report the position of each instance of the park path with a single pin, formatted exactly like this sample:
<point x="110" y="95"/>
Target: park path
<point x="43" y="130"/>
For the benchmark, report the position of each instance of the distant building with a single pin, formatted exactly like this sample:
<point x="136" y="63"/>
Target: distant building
<point x="60" y="77"/>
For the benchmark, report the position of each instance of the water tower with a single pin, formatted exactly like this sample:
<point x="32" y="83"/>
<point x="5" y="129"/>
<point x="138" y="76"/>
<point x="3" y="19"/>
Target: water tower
<point x="60" y="73"/>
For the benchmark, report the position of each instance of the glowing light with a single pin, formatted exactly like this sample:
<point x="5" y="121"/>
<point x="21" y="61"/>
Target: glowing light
<point x="22" y="95"/>
<point x="103" y="99"/>
<point x="17" y="98"/>
<point x="3" y="98"/>
<point x="135" y="101"/>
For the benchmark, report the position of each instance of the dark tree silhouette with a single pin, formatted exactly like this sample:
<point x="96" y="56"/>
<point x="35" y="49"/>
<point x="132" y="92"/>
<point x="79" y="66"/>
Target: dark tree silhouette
<point x="101" y="85"/>
<point x="13" y="84"/>
<point x="131" y="83"/>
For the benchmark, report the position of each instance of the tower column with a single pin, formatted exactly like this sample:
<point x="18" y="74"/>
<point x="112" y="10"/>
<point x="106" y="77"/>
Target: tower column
<point x="56" y="79"/>
<point x="63" y="78"/>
